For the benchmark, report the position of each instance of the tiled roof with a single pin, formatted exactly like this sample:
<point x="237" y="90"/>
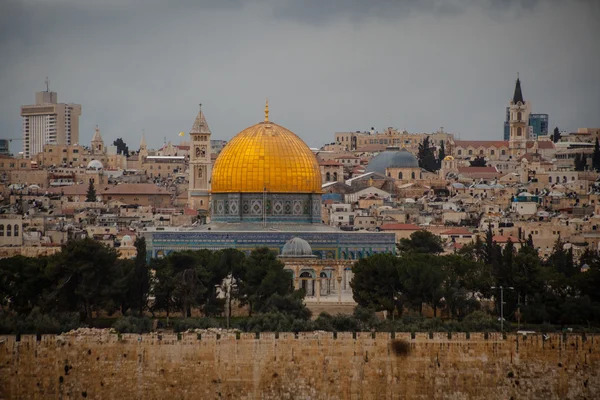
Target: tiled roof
<point x="457" y="231"/>
<point x="505" y="239"/>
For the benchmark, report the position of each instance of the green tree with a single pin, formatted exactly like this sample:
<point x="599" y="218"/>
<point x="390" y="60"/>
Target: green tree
<point x="22" y="283"/>
<point x="163" y="283"/>
<point x="140" y="285"/>
<point x="561" y="260"/>
<point x="91" y="192"/>
<point x="376" y="283"/>
<point x="441" y="154"/>
<point x="121" y="147"/>
<point x="580" y="162"/>
<point x="421" y="278"/>
<point x="479" y="161"/>
<point x="426" y="155"/>
<point x="596" y="156"/>
<point x="82" y="274"/>
<point x="264" y="276"/>
<point x="556" y="135"/>
<point x="421" y="241"/>
<point x="464" y="279"/>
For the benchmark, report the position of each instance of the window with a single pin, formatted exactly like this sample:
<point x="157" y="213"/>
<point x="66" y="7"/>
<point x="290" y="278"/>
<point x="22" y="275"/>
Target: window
<point x="16" y="231"/>
<point x="470" y="152"/>
<point x="335" y="176"/>
<point x="8" y="229"/>
<point x="481" y="152"/>
<point x="492" y="152"/>
<point x="1" y="230"/>
<point x="549" y="179"/>
<point x="503" y="152"/>
<point x="519" y="131"/>
<point x="412" y="175"/>
<point x="519" y="116"/>
<point x="459" y="152"/>
<point x="399" y="175"/>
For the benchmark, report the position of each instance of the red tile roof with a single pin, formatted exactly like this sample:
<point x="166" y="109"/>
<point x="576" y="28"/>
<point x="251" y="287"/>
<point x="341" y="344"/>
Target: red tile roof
<point x="505" y="239"/>
<point x="457" y="231"/>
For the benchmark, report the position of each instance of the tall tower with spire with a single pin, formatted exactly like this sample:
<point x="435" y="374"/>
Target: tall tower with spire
<point x="519" y="111"/>
<point x="200" y="164"/>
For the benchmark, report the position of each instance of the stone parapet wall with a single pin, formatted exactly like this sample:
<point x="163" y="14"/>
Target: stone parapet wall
<point x="317" y="365"/>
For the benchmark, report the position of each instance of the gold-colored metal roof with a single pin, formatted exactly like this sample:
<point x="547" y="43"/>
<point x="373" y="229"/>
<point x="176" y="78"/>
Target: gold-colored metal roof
<point x="268" y="157"/>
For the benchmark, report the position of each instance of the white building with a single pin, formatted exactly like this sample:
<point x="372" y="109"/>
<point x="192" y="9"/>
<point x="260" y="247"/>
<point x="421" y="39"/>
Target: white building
<point x="49" y="122"/>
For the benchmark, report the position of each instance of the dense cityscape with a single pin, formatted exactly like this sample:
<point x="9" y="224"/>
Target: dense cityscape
<point x="286" y="258"/>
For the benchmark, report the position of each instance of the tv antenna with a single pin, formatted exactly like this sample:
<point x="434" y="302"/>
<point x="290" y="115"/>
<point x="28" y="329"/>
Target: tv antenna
<point x="47" y="84"/>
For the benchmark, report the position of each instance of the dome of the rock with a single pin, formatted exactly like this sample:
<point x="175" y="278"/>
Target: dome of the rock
<point x="266" y="157"/>
<point x="266" y="174"/>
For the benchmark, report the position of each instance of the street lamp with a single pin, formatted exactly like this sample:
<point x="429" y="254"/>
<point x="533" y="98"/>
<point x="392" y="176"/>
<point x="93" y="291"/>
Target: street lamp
<point x="502" y="304"/>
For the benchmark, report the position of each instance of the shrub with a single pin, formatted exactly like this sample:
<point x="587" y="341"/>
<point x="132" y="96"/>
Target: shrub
<point x="38" y="323"/>
<point x="269" y="322"/>
<point x="183" y="325"/>
<point x="480" y="321"/>
<point x="132" y="324"/>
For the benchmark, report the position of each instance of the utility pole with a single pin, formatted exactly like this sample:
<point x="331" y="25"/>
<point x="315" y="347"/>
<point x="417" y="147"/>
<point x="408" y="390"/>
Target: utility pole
<point x="502" y="305"/>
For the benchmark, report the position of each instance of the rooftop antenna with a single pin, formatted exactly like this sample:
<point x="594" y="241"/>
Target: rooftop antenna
<point x="47" y="84"/>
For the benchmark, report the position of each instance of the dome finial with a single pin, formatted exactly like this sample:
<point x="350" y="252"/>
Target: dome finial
<point x="267" y="110"/>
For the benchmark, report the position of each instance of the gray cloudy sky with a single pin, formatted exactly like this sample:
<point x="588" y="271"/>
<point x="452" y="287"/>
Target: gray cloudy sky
<point x="326" y="65"/>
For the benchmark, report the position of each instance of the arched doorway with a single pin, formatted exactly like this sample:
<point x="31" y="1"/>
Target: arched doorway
<point x="307" y="283"/>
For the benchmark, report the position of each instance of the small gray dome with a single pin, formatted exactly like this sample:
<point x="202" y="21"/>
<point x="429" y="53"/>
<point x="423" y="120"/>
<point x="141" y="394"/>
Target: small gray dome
<point x="95" y="164"/>
<point x="296" y="247"/>
<point x="392" y="157"/>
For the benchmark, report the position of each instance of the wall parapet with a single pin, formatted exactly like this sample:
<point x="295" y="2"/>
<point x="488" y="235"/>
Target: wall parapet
<point x="319" y="365"/>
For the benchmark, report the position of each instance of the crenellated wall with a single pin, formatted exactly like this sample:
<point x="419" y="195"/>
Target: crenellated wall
<point x="309" y="365"/>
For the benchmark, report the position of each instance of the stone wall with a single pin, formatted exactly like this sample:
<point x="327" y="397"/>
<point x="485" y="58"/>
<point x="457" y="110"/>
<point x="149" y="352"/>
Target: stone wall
<point x="310" y="365"/>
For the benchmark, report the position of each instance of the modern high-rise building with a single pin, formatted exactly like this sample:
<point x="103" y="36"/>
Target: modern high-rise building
<point x="4" y="147"/>
<point x="49" y="122"/>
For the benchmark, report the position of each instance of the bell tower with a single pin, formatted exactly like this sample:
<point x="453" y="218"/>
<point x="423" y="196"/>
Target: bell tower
<point x="200" y="164"/>
<point x="518" y="122"/>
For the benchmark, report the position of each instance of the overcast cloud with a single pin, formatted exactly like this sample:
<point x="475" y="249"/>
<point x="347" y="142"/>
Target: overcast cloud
<point x="326" y="65"/>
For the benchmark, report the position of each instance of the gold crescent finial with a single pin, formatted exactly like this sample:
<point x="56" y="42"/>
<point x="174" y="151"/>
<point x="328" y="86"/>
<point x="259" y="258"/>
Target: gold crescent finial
<point x="267" y="110"/>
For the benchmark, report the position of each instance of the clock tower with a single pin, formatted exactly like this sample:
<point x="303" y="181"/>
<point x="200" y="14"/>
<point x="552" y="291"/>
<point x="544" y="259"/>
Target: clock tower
<point x="200" y="164"/>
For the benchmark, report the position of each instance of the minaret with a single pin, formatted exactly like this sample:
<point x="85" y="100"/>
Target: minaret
<point x="200" y="164"/>
<point x="97" y="142"/>
<point x="518" y="122"/>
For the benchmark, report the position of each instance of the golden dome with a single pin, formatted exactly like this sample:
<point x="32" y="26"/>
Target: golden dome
<point x="266" y="156"/>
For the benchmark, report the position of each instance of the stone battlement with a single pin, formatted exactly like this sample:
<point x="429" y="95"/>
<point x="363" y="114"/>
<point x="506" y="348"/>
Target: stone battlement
<point x="318" y="365"/>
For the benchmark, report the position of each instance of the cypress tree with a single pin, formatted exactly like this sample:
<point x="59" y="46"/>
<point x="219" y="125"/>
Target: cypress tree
<point x="91" y="192"/>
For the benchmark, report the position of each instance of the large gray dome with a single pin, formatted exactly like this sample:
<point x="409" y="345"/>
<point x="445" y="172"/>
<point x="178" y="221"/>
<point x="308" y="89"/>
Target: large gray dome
<point x="296" y="247"/>
<point x="392" y="157"/>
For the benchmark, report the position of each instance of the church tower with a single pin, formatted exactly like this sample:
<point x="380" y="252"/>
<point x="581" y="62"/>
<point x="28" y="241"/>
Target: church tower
<point x="518" y="122"/>
<point x="200" y="164"/>
<point x="97" y="142"/>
